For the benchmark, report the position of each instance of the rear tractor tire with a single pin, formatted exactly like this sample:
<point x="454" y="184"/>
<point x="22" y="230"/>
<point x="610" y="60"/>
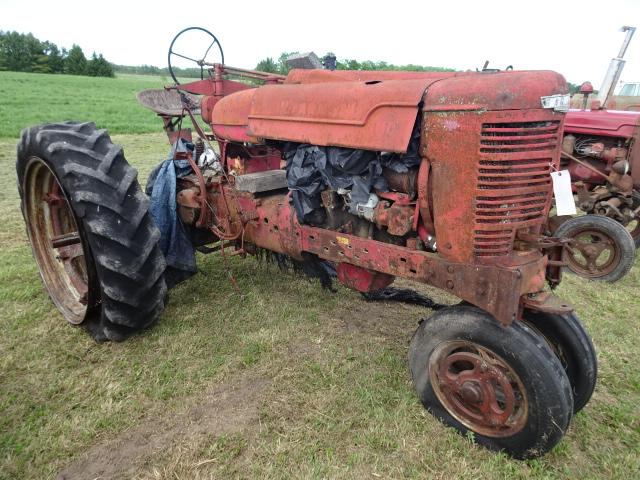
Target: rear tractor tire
<point x="600" y="248"/>
<point x="505" y="385"/>
<point x="93" y="239"/>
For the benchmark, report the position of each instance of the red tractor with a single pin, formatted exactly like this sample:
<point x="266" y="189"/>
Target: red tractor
<point x="439" y="178"/>
<point x="601" y="150"/>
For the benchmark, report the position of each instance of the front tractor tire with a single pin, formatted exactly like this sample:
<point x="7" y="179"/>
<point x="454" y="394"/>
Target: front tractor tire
<point x="571" y="343"/>
<point x="93" y="239"/>
<point x="503" y="384"/>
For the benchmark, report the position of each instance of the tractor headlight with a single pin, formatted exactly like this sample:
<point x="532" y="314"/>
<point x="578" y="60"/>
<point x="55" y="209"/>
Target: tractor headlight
<point x="560" y="103"/>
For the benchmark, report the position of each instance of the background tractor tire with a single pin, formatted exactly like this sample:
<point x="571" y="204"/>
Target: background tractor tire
<point x="105" y="210"/>
<point x="504" y="384"/>
<point x="601" y="248"/>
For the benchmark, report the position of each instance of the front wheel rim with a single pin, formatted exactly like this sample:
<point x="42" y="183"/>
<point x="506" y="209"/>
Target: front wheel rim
<point x="592" y="253"/>
<point x="56" y="240"/>
<point x="478" y="388"/>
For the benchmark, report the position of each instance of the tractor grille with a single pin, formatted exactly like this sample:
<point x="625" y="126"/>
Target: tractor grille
<point x="514" y="185"/>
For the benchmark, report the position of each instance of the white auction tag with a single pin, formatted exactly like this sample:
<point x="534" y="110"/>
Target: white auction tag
<point x="565" y="204"/>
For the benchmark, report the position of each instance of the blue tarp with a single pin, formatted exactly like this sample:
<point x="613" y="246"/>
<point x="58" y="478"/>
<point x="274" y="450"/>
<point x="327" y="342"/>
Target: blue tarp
<point x="174" y="241"/>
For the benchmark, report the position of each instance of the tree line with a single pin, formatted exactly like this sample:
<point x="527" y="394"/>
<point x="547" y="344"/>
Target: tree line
<point x="280" y="66"/>
<point x="157" y="71"/>
<point x="20" y="52"/>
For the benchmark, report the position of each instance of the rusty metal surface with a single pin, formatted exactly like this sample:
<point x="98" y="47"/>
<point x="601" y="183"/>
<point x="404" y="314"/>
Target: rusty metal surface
<point x="495" y="289"/>
<point x="591" y="253"/>
<point x="546" y="302"/>
<point x="271" y="224"/>
<point x="299" y="76"/>
<point x="55" y="240"/>
<point x="423" y="219"/>
<point x="361" y="279"/>
<point x="230" y="117"/>
<point x="241" y="159"/>
<point x="398" y="218"/>
<point x="165" y="102"/>
<point x="479" y="388"/>
<point x="377" y="116"/>
<point x="499" y="168"/>
<point x="405" y="182"/>
<point x="510" y="90"/>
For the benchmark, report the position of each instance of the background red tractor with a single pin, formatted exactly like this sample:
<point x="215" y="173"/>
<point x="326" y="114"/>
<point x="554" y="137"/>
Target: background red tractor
<point x="439" y="178"/>
<point x="601" y="150"/>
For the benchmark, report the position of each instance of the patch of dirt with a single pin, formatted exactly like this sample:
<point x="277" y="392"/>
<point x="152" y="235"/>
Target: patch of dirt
<point x="389" y="318"/>
<point x="230" y="408"/>
<point x="380" y="319"/>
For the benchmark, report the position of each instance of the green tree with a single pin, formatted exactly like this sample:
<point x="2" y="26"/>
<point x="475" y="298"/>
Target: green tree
<point x="92" y="66"/>
<point x="55" y="57"/>
<point x="3" y="57"/>
<point x="106" y="69"/>
<point x="76" y="62"/>
<point x="99" y="67"/>
<point x="271" y="66"/>
<point x="41" y="59"/>
<point x="19" y="52"/>
<point x="267" y="65"/>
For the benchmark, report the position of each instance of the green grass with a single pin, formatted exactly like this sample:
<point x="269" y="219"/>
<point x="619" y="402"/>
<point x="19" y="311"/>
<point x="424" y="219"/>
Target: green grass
<point x="31" y="98"/>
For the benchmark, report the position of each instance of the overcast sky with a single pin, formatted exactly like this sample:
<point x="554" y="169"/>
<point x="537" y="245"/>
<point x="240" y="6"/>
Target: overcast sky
<point x="575" y="38"/>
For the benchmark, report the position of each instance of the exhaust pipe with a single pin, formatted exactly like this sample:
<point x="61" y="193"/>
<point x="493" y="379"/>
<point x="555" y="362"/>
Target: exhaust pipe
<point x="615" y="69"/>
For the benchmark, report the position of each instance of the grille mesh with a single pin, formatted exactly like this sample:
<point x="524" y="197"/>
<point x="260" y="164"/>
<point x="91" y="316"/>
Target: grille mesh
<point x="514" y="185"/>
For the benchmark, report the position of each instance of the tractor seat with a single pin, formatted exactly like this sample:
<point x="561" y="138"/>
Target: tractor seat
<point x="167" y="102"/>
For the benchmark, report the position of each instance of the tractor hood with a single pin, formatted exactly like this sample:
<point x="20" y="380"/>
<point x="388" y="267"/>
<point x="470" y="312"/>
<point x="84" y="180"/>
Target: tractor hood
<point x="369" y="110"/>
<point x="610" y="123"/>
<point x="370" y="115"/>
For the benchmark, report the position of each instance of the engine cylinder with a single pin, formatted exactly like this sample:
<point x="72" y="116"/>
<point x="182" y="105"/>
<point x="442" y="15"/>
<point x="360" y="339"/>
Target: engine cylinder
<point x="405" y="182"/>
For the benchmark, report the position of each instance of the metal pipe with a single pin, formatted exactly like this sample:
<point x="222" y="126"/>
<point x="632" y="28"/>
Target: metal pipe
<point x="585" y="164"/>
<point x="615" y="69"/>
<point x="243" y="72"/>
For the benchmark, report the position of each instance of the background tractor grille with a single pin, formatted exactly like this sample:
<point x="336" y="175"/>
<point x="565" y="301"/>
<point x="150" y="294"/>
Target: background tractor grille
<point x="514" y="185"/>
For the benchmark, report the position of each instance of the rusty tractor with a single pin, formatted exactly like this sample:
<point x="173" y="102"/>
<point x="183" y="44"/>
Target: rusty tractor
<point x="439" y="178"/>
<point x="601" y="150"/>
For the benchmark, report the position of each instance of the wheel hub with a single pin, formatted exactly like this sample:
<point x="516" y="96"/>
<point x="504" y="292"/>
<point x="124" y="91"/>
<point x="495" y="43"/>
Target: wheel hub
<point x="471" y="392"/>
<point x="478" y="388"/>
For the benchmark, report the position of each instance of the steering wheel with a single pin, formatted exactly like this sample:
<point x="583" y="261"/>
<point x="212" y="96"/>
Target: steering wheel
<point x="202" y="62"/>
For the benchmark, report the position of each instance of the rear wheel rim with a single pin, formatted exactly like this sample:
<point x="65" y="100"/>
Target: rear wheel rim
<point x="478" y="388"/>
<point x="56" y="241"/>
<point x="592" y="253"/>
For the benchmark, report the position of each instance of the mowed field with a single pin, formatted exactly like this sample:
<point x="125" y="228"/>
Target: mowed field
<point x="30" y="98"/>
<point x="286" y="380"/>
